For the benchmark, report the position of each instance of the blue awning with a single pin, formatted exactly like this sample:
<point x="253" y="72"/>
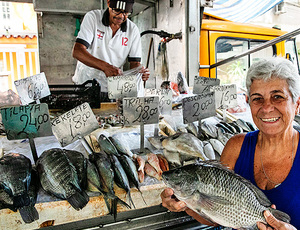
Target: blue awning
<point x="241" y="10"/>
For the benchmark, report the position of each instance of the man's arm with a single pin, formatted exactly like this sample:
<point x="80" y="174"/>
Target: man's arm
<point x="81" y="54"/>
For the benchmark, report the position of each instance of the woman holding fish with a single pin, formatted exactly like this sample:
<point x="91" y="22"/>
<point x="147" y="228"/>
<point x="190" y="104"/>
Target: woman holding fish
<point x="270" y="156"/>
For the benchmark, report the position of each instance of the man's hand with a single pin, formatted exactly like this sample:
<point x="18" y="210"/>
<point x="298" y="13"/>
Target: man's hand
<point x="274" y="223"/>
<point x="145" y="72"/>
<point x="111" y="70"/>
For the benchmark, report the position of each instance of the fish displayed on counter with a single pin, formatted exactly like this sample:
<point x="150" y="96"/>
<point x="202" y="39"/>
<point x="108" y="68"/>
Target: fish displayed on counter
<point x="106" y="176"/>
<point x="58" y="177"/>
<point x="18" y="188"/>
<point x="186" y="145"/>
<point x="220" y="195"/>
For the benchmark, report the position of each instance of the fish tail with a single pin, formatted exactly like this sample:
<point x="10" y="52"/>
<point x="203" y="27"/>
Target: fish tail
<point x="282" y="216"/>
<point x="123" y="203"/>
<point x="142" y="196"/>
<point x="29" y="214"/>
<point x="113" y="210"/>
<point x="78" y="200"/>
<point x="130" y="199"/>
<point x="21" y="200"/>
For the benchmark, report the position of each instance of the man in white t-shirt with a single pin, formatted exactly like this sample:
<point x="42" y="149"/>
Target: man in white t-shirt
<point x="105" y="40"/>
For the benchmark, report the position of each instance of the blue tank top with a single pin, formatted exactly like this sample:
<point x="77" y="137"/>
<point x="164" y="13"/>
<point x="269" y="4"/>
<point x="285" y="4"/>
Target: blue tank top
<point x="286" y="196"/>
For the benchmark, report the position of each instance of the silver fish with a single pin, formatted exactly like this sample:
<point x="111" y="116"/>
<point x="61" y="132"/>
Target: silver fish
<point x="209" y="129"/>
<point x="217" y="145"/>
<point x="209" y="150"/>
<point x="243" y="124"/>
<point x="220" y="195"/>
<point x="185" y="144"/>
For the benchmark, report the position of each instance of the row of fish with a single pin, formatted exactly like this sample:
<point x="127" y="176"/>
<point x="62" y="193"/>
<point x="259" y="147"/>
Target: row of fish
<point x="188" y="143"/>
<point x="67" y="174"/>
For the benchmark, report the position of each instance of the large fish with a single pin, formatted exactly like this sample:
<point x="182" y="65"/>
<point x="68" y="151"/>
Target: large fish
<point x="58" y="176"/>
<point x="220" y="195"/>
<point x="15" y="180"/>
<point x="121" y="146"/>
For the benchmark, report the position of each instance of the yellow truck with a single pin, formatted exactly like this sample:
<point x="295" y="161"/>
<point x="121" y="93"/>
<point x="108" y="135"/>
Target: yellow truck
<point x="221" y="39"/>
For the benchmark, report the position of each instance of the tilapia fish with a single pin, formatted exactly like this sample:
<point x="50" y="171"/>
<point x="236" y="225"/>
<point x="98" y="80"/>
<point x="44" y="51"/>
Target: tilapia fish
<point x="220" y="195"/>
<point x="15" y="180"/>
<point x="58" y="176"/>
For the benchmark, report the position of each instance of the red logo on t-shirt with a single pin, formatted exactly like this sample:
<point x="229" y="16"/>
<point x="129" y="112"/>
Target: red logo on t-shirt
<point x="124" y="41"/>
<point x="100" y="34"/>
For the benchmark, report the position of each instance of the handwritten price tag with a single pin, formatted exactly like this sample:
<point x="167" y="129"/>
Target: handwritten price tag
<point x="32" y="88"/>
<point x="122" y="86"/>
<point x="28" y="121"/>
<point x="225" y="96"/>
<point x="198" y="107"/>
<point x="74" y="124"/>
<point x="140" y="110"/>
<point x="165" y="99"/>
<point x="203" y="84"/>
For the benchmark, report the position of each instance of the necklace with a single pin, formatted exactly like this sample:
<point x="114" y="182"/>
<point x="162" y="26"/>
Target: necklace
<point x="262" y="165"/>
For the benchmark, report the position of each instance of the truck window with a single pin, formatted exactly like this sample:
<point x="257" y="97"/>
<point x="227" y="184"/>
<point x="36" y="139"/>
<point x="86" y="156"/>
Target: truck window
<point x="235" y="72"/>
<point x="291" y="51"/>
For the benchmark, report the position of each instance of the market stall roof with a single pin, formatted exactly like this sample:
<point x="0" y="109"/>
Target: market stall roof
<point x="241" y="10"/>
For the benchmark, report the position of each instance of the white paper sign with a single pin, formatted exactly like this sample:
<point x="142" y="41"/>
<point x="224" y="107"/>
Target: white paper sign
<point x="203" y="84"/>
<point x="74" y="124"/>
<point x="225" y="96"/>
<point x="140" y="110"/>
<point x="122" y="86"/>
<point x="32" y="88"/>
<point x="165" y="99"/>
<point x="198" y="107"/>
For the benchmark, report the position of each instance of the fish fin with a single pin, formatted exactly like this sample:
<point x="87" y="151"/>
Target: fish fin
<point x="21" y="200"/>
<point x="78" y="200"/>
<point x="142" y="196"/>
<point x="280" y="215"/>
<point x="209" y="201"/>
<point x="29" y="214"/>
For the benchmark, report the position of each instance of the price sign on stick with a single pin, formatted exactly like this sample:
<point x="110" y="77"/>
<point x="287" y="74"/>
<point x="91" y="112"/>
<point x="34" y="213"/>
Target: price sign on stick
<point x="225" y="96"/>
<point x="198" y="107"/>
<point x="165" y="99"/>
<point x="122" y="86"/>
<point x="74" y="124"/>
<point x="140" y="110"/>
<point x="203" y="84"/>
<point x="32" y="88"/>
<point x="27" y="121"/>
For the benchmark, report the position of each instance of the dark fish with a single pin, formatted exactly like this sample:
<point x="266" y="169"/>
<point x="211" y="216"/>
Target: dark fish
<point x="106" y="145"/>
<point x="58" y="177"/>
<point x="220" y="195"/>
<point x="120" y="176"/>
<point x="80" y="163"/>
<point x="18" y="186"/>
<point x="131" y="171"/>
<point x="106" y="176"/>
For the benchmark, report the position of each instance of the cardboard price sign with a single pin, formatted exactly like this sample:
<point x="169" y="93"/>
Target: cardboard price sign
<point x="198" y="107"/>
<point x="203" y="84"/>
<point x="225" y="96"/>
<point x="140" y="110"/>
<point x="27" y="121"/>
<point x="74" y="124"/>
<point x="32" y="88"/>
<point x="165" y="99"/>
<point x="122" y="86"/>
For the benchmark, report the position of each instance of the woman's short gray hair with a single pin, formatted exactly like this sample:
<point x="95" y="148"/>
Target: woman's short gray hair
<point x="276" y="67"/>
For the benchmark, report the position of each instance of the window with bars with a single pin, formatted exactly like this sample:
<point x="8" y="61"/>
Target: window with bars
<point x="6" y="10"/>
